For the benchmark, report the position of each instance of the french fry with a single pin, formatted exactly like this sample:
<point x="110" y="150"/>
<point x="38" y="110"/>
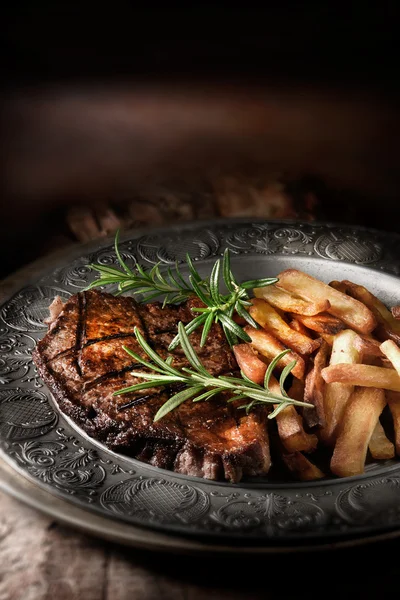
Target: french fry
<point x="380" y="446"/>
<point x="396" y="312"/>
<point x="287" y="302"/>
<point x="268" y="346"/>
<point x="359" y="422"/>
<point x="323" y="323"/>
<point x="290" y="427"/>
<point x="267" y="317"/>
<point x="338" y="394"/>
<point x="314" y="389"/>
<point x="297" y="326"/>
<point x="249" y="363"/>
<point x="302" y="468"/>
<point x="392" y="352"/>
<point x="367" y="346"/>
<point x="340" y="286"/>
<point x="296" y="390"/>
<point x="393" y="400"/>
<point x="329" y="339"/>
<point x="289" y="422"/>
<point x="388" y="326"/>
<point x="363" y="375"/>
<point x="354" y="313"/>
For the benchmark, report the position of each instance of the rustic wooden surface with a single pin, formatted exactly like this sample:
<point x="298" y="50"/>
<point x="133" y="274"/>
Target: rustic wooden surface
<point x="40" y="559"/>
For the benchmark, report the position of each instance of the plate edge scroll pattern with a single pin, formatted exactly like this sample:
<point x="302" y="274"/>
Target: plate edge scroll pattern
<point x="63" y="461"/>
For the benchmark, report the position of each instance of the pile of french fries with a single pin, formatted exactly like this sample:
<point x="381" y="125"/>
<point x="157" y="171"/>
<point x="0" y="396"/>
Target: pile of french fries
<point x="346" y="344"/>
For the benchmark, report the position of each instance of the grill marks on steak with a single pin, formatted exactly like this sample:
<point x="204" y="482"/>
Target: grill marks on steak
<point x="82" y="360"/>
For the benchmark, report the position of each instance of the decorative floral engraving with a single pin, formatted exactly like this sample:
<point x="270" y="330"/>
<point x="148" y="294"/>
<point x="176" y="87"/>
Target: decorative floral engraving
<point x="15" y="357"/>
<point x="72" y="472"/>
<point x="174" y="247"/>
<point x="75" y="275"/>
<point x="156" y="500"/>
<point x="375" y="501"/>
<point x="25" y="414"/>
<point x="27" y="310"/>
<point x="348" y="247"/>
<point x="273" y="513"/>
<point x="264" y="239"/>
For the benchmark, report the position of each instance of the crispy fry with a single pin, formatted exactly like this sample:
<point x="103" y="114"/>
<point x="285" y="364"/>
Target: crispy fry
<point x="367" y="346"/>
<point x="301" y="467"/>
<point x="268" y="346"/>
<point x="314" y="389"/>
<point x="340" y="286"/>
<point x="392" y="352"/>
<point x="396" y="312"/>
<point x="359" y="421"/>
<point x="249" y="363"/>
<point x="388" y="326"/>
<point x="393" y="400"/>
<point x="297" y="326"/>
<point x="297" y="389"/>
<point x="289" y="422"/>
<point x="290" y="426"/>
<point x="364" y="375"/>
<point x="329" y="339"/>
<point x="354" y="313"/>
<point x="267" y="317"/>
<point x="323" y="323"/>
<point x="338" y="394"/>
<point x="380" y="446"/>
<point x="288" y="302"/>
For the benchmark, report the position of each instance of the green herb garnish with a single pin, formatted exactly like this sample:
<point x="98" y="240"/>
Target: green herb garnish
<point x="201" y="385"/>
<point x="219" y="308"/>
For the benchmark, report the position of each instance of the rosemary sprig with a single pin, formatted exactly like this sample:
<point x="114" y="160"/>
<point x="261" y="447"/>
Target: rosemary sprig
<point x="218" y="307"/>
<point x="149" y="283"/>
<point x="201" y="385"/>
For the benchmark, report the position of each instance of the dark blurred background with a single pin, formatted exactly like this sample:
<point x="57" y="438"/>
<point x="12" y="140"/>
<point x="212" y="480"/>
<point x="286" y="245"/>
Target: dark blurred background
<point x="121" y="115"/>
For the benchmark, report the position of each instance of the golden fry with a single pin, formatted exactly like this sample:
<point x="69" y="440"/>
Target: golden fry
<point x="359" y="421"/>
<point x="301" y="467"/>
<point x="337" y="395"/>
<point x="393" y="400"/>
<point x="249" y="363"/>
<point x="339" y="286"/>
<point x="268" y="346"/>
<point x="367" y="346"/>
<point x="314" y="389"/>
<point x="323" y="323"/>
<point x="287" y="302"/>
<point x="363" y="375"/>
<point x="388" y="326"/>
<point x="267" y="317"/>
<point x="290" y="426"/>
<point x="380" y="446"/>
<point x="329" y="339"/>
<point x="392" y="352"/>
<point x="297" y="326"/>
<point x="355" y="314"/>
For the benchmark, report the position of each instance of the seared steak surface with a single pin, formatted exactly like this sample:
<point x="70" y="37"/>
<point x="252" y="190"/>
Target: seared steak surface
<point x="83" y="362"/>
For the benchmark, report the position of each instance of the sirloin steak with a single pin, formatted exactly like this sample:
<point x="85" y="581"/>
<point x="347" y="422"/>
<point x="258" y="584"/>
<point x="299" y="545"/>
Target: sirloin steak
<point x="82" y="361"/>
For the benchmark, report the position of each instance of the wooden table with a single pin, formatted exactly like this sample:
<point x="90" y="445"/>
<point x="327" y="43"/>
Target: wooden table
<point x="40" y="559"/>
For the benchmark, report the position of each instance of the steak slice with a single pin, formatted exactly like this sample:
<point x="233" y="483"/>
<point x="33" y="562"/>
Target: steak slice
<point x="83" y="362"/>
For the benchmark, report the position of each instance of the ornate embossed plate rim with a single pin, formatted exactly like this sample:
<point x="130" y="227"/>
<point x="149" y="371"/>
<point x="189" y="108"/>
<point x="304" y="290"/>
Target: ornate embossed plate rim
<point x="230" y="226"/>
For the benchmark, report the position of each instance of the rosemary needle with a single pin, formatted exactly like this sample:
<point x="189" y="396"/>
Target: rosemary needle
<point x="170" y="283"/>
<point x="200" y="385"/>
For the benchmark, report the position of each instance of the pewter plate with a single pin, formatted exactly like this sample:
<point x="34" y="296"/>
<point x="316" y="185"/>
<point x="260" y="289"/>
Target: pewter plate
<point x="42" y="444"/>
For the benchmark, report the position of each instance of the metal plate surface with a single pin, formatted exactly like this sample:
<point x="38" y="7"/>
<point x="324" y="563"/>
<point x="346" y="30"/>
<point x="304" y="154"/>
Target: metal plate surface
<point x="39" y="442"/>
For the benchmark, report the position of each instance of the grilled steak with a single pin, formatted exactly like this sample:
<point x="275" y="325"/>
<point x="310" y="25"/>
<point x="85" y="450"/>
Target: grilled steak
<point x="82" y="361"/>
